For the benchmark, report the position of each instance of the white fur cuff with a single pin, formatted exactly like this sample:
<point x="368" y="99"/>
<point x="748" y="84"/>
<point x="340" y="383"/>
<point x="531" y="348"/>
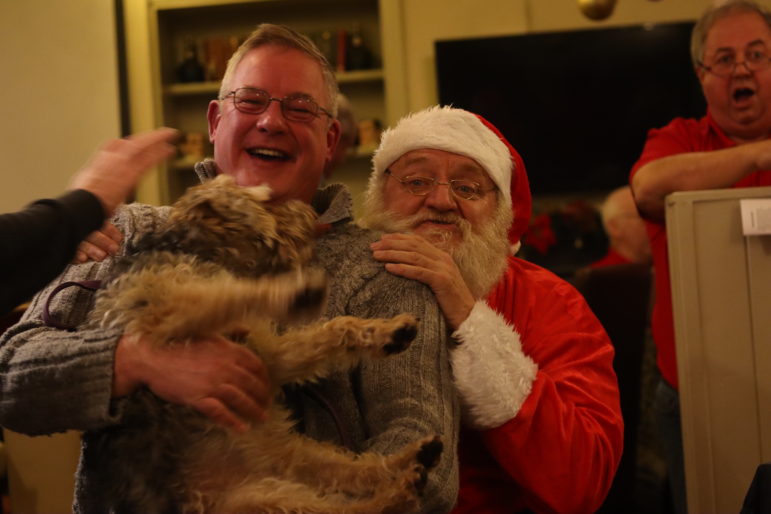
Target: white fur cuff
<point x="492" y="375"/>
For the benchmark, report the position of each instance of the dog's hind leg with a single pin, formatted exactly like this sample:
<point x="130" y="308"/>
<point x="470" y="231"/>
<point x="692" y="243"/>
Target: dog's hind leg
<point x="317" y="350"/>
<point x="274" y="496"/>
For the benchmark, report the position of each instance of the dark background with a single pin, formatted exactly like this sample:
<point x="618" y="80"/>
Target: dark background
<point x="576" y="105"/>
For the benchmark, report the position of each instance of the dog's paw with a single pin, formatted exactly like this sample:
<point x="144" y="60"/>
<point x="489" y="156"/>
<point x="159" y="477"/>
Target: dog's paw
<point x="402" y="336"/>
<point x="311" y="294"/>
<point x="427" y="458"/>
<point x="413" y="463"/>
<point x="430" y="451"/>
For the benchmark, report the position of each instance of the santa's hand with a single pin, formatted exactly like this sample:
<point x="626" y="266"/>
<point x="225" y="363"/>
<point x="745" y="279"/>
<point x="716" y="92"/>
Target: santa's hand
<point x="411" y="256"/>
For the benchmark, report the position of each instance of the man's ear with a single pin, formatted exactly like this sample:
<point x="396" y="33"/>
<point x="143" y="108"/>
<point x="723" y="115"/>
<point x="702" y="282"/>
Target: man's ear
<point x="700" y="73"/>
<point x="333" y="137"/>
<point x="213" y="116"/>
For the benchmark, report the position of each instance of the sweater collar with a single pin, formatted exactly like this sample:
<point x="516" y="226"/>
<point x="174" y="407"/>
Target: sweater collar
<point x="332" y="203"/>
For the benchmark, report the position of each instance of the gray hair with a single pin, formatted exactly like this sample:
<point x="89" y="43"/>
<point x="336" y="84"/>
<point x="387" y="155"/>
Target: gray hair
<point x="280" y="35"/>
<point x="715" y="13"/>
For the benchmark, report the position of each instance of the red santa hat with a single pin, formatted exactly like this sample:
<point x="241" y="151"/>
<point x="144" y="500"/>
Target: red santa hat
<point x="464" y="133"/>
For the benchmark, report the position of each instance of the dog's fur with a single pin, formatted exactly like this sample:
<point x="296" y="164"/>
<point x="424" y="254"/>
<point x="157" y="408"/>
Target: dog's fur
<point x="226" y="262"/>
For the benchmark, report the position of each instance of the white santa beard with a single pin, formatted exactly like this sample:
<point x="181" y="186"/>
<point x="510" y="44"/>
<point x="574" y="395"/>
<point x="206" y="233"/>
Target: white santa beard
<point x="481" y="256"/>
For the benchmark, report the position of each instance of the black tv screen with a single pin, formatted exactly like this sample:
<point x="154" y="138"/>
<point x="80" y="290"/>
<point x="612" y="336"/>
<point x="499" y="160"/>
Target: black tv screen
<point x="577" y="105"/>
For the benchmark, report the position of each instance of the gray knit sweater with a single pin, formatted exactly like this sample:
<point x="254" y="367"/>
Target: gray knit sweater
<point x="54" y="380"/>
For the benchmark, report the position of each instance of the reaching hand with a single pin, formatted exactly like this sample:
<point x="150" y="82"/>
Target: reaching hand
<point x="221" y="379"/>
<point x="99" y="244"/>
<point x="114" y="170"/>
<point x="411" y="256"/>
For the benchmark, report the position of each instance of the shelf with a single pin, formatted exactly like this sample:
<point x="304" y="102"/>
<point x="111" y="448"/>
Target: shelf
<point x="204" y="88"/>
<point x="358" y="76"/>
<point x="193" y="88"/>
<point x="187" y="4"/>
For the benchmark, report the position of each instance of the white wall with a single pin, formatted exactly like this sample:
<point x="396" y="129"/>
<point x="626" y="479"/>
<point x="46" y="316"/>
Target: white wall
<point x="59" y="89"/>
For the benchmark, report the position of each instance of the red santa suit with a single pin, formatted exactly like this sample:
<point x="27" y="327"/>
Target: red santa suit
<point x="534" y="367"/>
<point x="534" y="370"/>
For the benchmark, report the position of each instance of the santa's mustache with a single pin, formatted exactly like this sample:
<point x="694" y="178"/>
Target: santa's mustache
<point x="414" y="220"/>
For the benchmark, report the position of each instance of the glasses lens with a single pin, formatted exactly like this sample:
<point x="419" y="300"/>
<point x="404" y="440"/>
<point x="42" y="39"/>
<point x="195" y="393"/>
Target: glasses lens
<point x="724" y="65"/>
<point x="299" y="108"/>
<point x="757" y="59"/>
<point x="466" y="189"/>
<point x="418" y="185"/>
<point x="253" y="101"/>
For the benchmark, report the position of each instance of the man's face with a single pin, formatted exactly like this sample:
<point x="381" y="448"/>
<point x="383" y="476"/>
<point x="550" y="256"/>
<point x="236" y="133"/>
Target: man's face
<point x="741" y="102"/>
<point x="439" y="214"/>
<point x="266" y="148"/>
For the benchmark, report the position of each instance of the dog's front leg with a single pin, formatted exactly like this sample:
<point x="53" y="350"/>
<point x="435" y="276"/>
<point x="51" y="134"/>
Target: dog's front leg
<point x="317" y="350"/>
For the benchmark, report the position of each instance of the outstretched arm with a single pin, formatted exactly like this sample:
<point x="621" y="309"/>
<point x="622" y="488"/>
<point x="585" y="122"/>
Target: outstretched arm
<point x="691" y="171"/>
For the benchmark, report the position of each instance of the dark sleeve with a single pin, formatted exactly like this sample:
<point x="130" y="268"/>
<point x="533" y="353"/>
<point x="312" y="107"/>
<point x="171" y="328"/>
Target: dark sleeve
<point x="39" y="241"/>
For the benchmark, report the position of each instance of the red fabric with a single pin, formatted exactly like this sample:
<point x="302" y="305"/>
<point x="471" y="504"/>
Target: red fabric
<point x="680" y="136"/>
<point x="540" y="235"/>
<point x="521" y="201"/>
<point x="612" y="258"/>
<point x="561" y="451"/>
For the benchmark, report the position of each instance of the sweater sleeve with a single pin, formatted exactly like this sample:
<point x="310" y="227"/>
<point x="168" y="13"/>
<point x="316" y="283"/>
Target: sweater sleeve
<point x="563" y="446"/>
<point x="53" y="380"/>
<point x="39" y="241"/>
<point x="411" y="395"/>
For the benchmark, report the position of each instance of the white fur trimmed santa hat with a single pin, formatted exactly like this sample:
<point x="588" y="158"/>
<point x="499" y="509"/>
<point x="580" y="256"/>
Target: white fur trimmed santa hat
<point x="452" y="130"/>
<point x="464" y="133"/>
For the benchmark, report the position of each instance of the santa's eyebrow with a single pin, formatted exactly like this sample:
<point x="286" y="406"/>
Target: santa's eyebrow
<point x="756" y="42"/>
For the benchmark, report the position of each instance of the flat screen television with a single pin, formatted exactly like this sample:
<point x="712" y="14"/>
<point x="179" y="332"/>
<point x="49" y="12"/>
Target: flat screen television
<point x="577" y="105"/>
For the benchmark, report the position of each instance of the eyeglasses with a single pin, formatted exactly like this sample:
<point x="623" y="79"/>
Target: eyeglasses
<point x="724" y="65"/>
<point x="422" y="186"/>
<point x="298" y="107"/>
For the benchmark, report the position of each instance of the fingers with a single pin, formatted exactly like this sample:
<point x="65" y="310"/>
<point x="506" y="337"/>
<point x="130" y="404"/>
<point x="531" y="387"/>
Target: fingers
<point x="235" y="406"/>
<point x="217" y="412"/>
<point x="88" y="251"/>
<point x="112" y="232"/>
<point x="115" y="169"/>
<point x="219" y="378"/>
<point x="407" y="242"/>
<point x="150" y="148"/>
<point x="99" y="244"/>
<point x="410" y="249"/>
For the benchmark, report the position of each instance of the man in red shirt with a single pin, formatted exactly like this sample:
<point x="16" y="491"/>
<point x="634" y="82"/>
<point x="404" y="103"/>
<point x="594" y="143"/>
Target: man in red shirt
<point x="533" y="366"/>
<point x="729" y="147"/>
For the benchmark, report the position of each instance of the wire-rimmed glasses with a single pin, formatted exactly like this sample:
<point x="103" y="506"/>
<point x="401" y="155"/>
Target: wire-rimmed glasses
<point x="299" y="107"/>
<point x="725" y="64"/>
<point x="422" y="186"/>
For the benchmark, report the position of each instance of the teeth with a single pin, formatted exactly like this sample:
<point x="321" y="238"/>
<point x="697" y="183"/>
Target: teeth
<point x="267" y="152"/>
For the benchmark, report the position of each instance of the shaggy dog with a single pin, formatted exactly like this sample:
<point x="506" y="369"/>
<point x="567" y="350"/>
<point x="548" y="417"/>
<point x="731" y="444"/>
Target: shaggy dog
<point x="227" y="262"/>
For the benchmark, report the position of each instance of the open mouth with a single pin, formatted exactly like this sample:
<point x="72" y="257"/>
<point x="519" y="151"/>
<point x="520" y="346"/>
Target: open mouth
<point x="268" y="154"/>
<point x="742" y="93"/>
